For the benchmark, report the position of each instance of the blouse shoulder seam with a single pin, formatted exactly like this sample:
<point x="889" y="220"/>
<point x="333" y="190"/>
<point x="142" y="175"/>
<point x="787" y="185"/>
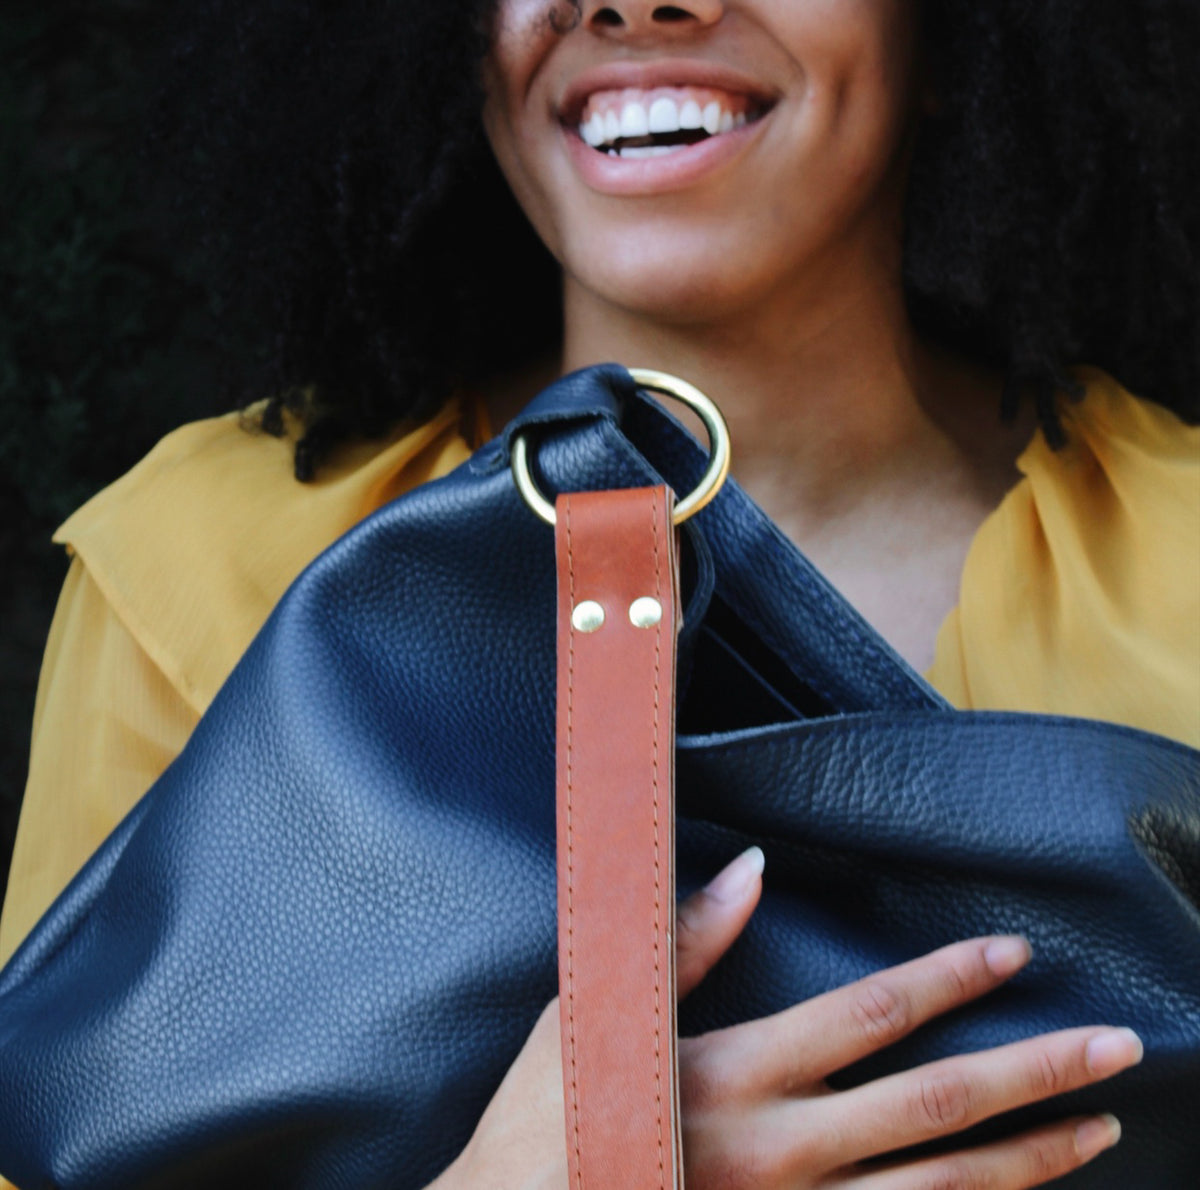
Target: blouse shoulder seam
<point x="146" y="640"/>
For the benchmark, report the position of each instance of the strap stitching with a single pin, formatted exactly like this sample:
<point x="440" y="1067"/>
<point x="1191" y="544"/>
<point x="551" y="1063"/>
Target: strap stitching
<point x="654" y="519"/>
<point x="570" y="850"/>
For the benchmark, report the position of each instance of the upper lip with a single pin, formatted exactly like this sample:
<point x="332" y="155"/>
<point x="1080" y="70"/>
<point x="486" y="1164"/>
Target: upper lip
<point x="662" y="72"/>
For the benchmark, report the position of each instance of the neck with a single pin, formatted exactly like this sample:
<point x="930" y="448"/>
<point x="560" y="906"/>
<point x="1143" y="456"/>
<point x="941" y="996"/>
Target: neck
<point x="877" y="454"/>
<point x="830" y="396"/>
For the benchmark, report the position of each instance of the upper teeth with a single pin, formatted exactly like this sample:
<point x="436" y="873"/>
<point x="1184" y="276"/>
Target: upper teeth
<point x="634" y="121"/>
<point x="664" y="114"/>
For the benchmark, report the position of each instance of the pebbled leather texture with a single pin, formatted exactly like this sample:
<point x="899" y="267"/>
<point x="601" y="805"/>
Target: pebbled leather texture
<point x="616" y="844"/>
<point x="308" y="956"/>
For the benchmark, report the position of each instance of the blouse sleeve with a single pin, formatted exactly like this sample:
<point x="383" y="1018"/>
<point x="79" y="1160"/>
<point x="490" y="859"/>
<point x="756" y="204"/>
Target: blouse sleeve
<point x="106" y="724"/>
<point x="1081" y="592"/>
<point x="176" y="567"/>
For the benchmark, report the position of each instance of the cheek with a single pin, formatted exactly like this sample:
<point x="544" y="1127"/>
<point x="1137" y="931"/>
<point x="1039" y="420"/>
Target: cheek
<point x="524" y="32"/>
<point x="858" y="57"/>
<point x="850" y="130"/>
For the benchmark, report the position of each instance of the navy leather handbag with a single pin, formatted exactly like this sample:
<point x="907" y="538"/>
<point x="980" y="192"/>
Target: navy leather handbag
<point x="308" y="956"/>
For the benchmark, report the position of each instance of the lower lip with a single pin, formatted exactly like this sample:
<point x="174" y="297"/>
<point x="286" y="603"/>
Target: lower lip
<point x="658" y="175"/>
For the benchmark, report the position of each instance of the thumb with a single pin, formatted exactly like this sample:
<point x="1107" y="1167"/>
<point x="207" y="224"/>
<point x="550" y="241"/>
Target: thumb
<point x="707" y="923"/>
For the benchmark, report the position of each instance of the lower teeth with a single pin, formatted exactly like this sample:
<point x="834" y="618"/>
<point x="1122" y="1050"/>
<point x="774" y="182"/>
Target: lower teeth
<point x="631" y="151"/>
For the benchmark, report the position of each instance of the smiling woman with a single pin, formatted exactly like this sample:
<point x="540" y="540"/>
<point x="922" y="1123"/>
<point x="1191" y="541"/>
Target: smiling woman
<point x="350" y="195"/>
<point x="919" y="252"/>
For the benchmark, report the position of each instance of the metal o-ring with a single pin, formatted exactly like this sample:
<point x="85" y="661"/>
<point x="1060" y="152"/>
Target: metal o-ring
<point x="660" y="382"/>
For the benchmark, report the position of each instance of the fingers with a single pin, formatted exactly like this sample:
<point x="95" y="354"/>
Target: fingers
<point x="806" y="1043"/>
<point x="709" y="921"/>
<point x="948" y="1096"/>
<point x="1027" y="1160"/>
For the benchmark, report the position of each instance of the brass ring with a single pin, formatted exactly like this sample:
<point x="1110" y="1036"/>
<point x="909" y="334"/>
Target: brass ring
<point x="659" y="382"/>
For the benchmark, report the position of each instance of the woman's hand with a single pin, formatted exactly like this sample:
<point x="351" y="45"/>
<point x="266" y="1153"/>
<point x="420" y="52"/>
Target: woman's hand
<point x="757" y="1111"/>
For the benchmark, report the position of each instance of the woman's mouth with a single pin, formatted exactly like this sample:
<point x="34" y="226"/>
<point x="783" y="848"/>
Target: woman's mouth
<point x="655" y="128"/>
<point x="634" y="123"/>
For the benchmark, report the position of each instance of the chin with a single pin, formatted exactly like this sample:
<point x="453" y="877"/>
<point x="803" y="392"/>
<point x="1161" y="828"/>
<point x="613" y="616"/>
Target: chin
<point x="673" y="279"/>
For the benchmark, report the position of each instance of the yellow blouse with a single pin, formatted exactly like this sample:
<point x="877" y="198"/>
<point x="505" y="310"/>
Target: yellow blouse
<point x="1080" y="595"/>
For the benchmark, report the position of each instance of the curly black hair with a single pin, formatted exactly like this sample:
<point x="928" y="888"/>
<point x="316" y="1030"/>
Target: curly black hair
<point x="330" y="157"/>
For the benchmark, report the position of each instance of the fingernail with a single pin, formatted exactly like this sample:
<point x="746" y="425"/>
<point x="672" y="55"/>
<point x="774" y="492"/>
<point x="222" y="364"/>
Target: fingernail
<point x="1113" y="1050"/>
<point x="1006" y="956"/>
<point x="1095" y="1135"/>
<point x="732" y="882"/>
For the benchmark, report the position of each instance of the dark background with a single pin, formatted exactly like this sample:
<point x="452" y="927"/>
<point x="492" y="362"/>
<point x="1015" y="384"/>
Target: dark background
<point x="107" y="331"/>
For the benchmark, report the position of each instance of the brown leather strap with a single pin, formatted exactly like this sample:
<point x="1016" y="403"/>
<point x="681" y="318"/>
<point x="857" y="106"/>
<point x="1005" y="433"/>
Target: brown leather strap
<point x="616" y="840"/>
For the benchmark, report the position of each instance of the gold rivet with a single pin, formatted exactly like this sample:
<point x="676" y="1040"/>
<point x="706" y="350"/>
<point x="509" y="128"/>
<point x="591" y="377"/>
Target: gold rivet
<point x="588" y="616"/>
<point x="645" y="612"/>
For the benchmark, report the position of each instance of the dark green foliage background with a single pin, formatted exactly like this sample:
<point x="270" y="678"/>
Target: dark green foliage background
<point x="107" y="335"/>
